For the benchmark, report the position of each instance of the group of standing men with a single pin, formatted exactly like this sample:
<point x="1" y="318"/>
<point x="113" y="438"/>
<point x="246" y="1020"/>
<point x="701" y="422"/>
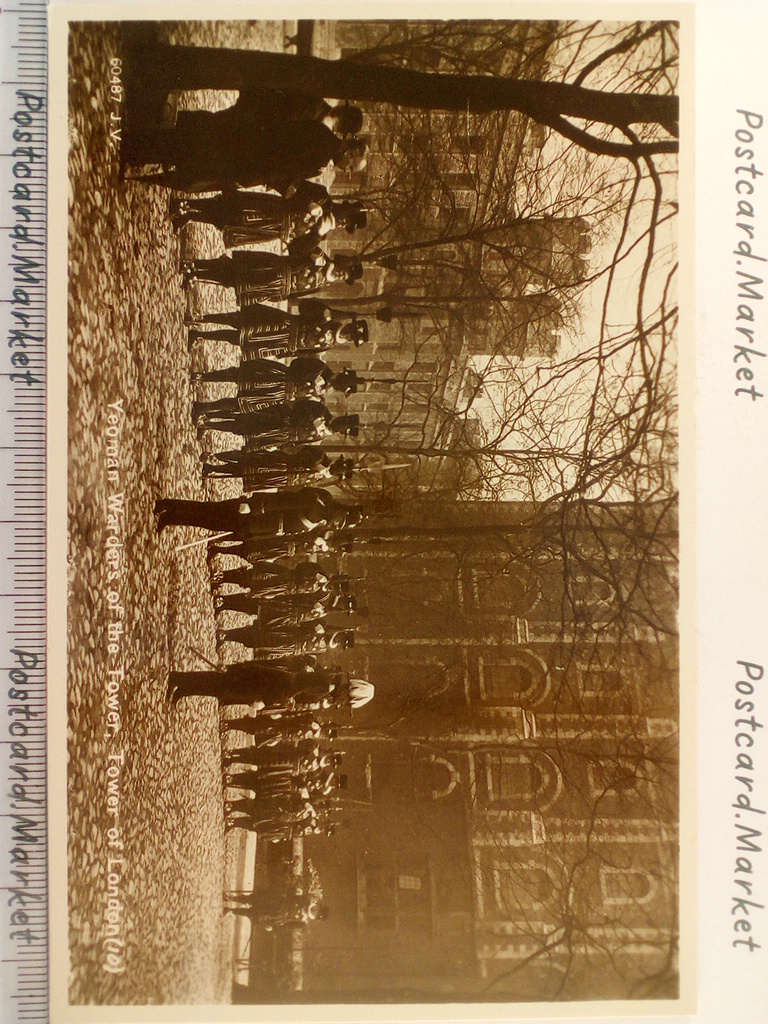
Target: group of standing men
<point x="274" y="140"/>
<point x="256" y="157"/>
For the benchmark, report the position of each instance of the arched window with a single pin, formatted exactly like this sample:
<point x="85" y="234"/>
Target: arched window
<point x="506" y="682"/>
<point x="520" y="780"/>
<point x="520" y="888"/>
<point x="438" y="776"/>
<point x="501" y="590"/>
<point x="518" y="679"/>
<point x="620" y="886"/>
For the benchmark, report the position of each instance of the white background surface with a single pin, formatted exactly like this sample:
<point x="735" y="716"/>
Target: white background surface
<point x="732" y="504"/>
<point x="732" y="73"/>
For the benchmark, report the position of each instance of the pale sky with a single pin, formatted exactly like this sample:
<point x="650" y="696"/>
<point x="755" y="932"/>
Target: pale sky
<point x="622" y="307"/>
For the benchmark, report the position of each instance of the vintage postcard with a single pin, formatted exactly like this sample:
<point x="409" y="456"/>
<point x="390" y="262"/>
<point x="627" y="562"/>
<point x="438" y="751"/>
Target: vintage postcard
<point x="367" y="632"/>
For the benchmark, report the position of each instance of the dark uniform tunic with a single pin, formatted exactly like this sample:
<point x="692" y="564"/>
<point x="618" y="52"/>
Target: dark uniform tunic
<point x="246" y="217"/>
<point x="262" y="470"/>
<point x="246" y="682"/>
<point x="303" y="372"/>
<point x="306" y="459"/>
<point x="265" y="276"/>
<point x="294" y="421"/>
<point x="226" y="152"/>
<point x="299" y="726"/>
<point x="265" y="331"/>
<point x="251" y="518"/>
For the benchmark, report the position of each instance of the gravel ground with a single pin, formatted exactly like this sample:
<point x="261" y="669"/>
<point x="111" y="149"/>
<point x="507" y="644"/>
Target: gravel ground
<point x="128" y="342"/>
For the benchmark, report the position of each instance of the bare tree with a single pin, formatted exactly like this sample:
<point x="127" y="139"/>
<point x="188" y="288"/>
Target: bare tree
<point x="553" y="103"/>
<point x="581" y="434"/>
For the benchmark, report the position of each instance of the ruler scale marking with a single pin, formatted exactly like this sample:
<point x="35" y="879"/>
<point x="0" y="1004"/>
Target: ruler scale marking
<point x="23" y="41"/>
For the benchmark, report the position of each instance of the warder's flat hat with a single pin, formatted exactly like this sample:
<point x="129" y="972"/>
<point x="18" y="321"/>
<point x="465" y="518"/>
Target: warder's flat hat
<point x="355" y="215"/>
<point x="346" y="424"/>
<point x="349" y="119"/>
<point x="356" y="331"/>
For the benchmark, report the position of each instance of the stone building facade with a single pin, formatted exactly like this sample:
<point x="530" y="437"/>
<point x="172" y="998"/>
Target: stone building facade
<point x="444" y="300"/>
<point x="510" y="823"/>
<point x="511" y="813"/>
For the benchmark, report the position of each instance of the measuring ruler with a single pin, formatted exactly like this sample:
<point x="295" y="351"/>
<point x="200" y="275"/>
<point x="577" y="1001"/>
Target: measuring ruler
<point x="23" y="222"/>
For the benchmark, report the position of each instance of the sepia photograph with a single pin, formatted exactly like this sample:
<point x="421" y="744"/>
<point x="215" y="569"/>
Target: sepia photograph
<point x="372" y="573"/>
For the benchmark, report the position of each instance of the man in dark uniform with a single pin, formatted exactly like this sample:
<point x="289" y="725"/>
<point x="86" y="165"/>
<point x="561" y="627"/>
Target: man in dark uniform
<point x="285" y="730"/>
<point x="312" y="312"/>
<point x="261" y="514"/>
<point x="306" y="418"/>
<point x="304" y="754"/>
<point x="267" y="277"/>
<point x="270" y="907"/>
<point x="271" y="644"/>
<point x="250" y="681"/>
<point x="264" y="382"/>
<point x="268" y="338"/>
<point x="266" y="469"/>
<point x="277" y="156"/>
<point x="279" y="615"/>
<point x="255" y="108"/>
<point x="303" y="372"/>
<point x="259" y="216"/>
<point x="281" y="340"/>
<point x="303" y="420"/>
<point x="273" y="468"/>
<point x="307" y="211"/>
<point x="272" y="617"/>
<point x="272" y="580"/>
<point x="259" y="549"/>
<point x="268" y="816"/>
<point x="304" y="638"/>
